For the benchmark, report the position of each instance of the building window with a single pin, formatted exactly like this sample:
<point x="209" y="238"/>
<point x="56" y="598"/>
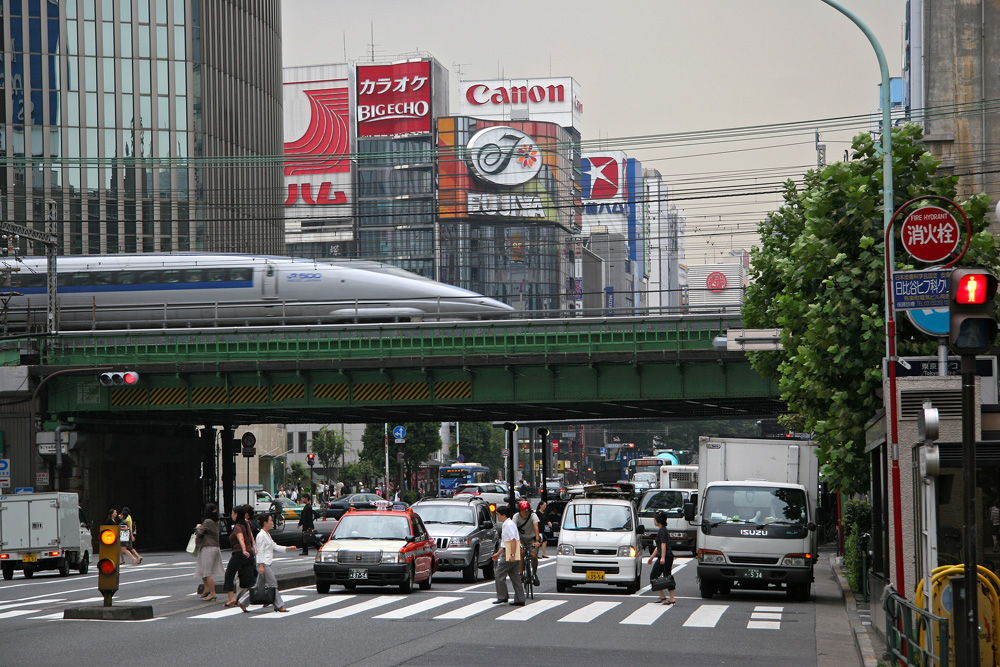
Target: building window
<point x="303" y="441"/>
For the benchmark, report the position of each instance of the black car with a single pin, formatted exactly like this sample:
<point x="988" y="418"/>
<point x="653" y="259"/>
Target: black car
<point x="555" y="511"/>
<point x="360" y="501"/>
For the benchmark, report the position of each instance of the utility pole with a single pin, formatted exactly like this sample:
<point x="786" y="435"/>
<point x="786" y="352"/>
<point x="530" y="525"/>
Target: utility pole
<point x="820" y="153"/>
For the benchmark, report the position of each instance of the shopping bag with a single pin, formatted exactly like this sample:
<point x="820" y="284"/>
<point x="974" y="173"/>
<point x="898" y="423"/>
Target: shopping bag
<point x="192" y="547"/>
<point x="261" y="593"/>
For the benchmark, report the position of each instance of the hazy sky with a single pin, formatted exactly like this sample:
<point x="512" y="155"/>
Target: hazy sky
<point x="647" y="68"/>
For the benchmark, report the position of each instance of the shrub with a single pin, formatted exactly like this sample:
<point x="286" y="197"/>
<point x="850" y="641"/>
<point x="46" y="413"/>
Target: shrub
<point x="857" y="518"/>
<point x="409" y="496"/>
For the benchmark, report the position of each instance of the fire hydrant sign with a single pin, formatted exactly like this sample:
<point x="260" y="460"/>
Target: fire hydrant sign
<point x="930" y="234"/>
<point x="920" y="290"/>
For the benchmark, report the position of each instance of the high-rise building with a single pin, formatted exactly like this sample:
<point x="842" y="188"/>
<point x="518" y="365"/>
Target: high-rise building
<point x="143" y="125"/>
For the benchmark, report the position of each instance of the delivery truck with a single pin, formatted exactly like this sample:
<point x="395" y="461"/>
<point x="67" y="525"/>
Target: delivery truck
<point x="43" y="531"/>
<point x="756" y="515"/>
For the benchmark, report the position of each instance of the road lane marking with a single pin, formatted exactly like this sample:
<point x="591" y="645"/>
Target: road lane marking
<point x="467" y="611"/>
<point x="764" y="625"/>
<point x="308" y="606"/>
<point x="588" y="613"/>
<point x="419" y="607"/>
<point x="646" y="614"/>
<point x="373" y="603"/>
<point x="765" y="618"/>
<point x="6" y="606"/>
<point x="229" y="611"/>
<point x="48" y="617"/>
<point x="18" y="612"/>
<point x="148" y="598"/>
<point x="772" y="609"/>
<point x="529" y="611"/>
<point x="761" y="616"/>
<point x="706" y="616"/>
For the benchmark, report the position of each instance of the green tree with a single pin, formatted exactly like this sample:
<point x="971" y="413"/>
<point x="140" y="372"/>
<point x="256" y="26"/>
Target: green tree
<point x="328" y="445"/>
<point x="819" y="275"/>
<point x="479" y="442"/>
<point x="422" y="440"/>
<point x="298" y="474"/>
<point x="359" y="471"/>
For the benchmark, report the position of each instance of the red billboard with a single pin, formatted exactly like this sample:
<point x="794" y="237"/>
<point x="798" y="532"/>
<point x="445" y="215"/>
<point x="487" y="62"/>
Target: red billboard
<point x="394" y="99"/>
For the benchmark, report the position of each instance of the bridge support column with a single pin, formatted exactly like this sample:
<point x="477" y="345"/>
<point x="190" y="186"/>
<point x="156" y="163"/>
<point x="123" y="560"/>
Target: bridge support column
<point x="228" y="447"/>
<point x="209" y="466"/>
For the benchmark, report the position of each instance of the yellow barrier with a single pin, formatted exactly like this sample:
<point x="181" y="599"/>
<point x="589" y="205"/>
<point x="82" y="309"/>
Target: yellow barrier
<point x="989" y="608"/>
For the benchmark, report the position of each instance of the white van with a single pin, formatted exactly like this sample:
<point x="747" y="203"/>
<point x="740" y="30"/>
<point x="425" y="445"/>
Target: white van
<point x="599" y="544"/>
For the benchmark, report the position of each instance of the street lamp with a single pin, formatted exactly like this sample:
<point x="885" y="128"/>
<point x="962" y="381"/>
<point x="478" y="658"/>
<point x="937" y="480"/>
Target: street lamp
<point x="284" y="466"/>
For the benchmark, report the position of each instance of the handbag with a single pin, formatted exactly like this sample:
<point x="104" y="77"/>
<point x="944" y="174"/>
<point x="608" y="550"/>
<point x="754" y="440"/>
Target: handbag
<point x="261" y="593"/>
<point x="192" y="547"/>
<point x="663" y="582"/>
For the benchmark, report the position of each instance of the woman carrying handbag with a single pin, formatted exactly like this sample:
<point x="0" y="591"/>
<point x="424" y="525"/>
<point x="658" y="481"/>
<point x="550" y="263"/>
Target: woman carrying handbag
<point x="208" y="552"/>
<point x="265" y="556"/>
<point x="660" y="578"/>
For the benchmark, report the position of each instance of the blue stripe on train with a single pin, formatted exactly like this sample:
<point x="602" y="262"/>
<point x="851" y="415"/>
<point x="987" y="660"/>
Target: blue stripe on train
<point x="153" y="287"/>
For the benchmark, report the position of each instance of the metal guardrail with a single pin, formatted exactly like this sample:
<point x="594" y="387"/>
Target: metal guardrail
<point x="500" y="337"/>
<point x="914" y="636"/>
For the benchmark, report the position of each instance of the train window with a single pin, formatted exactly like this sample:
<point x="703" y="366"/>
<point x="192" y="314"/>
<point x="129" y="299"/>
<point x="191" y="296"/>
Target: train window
<point x="215" y="275"/>
<point x="148" y="277"/>
<point x="241" y="274"/>
<point x="191" y="276"/>
<point x="102" y="278"/>
<point x="126" y="277"/>
<point x="75" y="279"/>
<point x="19" y="280"/>
<point x="171" y="276"/>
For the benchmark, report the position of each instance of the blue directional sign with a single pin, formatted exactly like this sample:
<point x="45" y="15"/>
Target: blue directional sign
<point x="24" y="489"/>
<point x="399" y="432"/>
<point x="920" y="290"/>
<point x="933" y="321"/>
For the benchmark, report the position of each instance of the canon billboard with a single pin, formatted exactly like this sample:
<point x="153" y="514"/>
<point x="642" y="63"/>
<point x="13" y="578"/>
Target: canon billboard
<point x="317" y="124"/>
<point x="553" y="100"/>
<point x="394" y="99"/>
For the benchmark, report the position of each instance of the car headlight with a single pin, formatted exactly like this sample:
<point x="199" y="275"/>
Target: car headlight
<point x="458" y="542"/>
<point x="566" y="550"/>
<point x="711" y="557"/>
<point x="326" y="557"/>
<point x="390" y="557"/>
<point x="795" y="560"/>
<point x="626" y="552"/>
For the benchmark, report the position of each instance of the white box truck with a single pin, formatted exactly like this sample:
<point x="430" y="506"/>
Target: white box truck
<point x="756" y="515"/>
<point x="43" y="531"/>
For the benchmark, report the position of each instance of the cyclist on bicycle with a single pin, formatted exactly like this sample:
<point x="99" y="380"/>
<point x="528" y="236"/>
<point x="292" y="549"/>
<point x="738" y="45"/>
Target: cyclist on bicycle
<point x="527" y="527"/>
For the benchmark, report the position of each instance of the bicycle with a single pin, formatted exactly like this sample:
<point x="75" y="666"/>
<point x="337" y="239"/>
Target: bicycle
<point x="528" y="572"/>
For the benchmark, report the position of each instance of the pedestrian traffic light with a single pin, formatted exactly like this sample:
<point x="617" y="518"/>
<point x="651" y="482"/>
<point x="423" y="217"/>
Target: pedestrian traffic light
<point x="311" y="459"/>
<point x="399" y="457"/>
<point x="109" y="555"/>
<point x="971" y="324"/>
<point x="119" y="378"/>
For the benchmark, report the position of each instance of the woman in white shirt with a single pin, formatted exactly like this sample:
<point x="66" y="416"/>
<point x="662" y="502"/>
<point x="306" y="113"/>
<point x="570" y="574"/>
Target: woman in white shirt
<point x="265" y="556"/>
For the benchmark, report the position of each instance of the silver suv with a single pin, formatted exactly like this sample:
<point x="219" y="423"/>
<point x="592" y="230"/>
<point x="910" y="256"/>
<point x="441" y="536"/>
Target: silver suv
<point x="464" y="531"/>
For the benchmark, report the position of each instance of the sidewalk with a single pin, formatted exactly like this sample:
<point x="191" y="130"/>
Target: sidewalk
<point x="844" y="632"/>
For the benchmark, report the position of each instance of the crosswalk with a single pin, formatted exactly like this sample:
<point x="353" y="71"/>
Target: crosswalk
<point x="457" y="606"/>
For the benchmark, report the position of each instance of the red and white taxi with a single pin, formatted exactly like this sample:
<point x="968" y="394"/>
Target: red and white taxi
<point x="381" y="547"/>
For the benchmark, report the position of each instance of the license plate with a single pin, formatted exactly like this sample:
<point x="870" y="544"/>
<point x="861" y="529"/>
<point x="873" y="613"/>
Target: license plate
<point x="595" y="575"/>
<point x="29" y="558"/>
<point x="357" y="573"/>
<point x="753" y="573"/>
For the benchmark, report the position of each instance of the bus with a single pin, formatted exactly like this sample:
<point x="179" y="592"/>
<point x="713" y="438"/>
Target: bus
<point x="453" y="476"/>
<point x="644" y="464"/>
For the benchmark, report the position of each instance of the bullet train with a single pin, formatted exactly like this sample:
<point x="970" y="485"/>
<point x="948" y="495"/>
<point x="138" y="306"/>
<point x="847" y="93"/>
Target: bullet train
<point x="151" y="291"/>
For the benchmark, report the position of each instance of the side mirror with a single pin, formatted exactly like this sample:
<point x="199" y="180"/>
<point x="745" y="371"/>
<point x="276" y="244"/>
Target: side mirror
<point x="689" y="511"/>
<point x="488" y="525"/>
<point x="811" y="526"/>
<point x="640" y="529"/>
<point x="411" y="538"/>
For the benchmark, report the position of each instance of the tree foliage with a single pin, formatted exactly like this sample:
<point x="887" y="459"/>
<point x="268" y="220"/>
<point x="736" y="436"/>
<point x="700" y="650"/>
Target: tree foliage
<point x="422" y="440"/>
<point x="479" y="442"/>
<point x="297" y="473"/>
<point x="328" y="445"/>
<point x="819" y="275"/>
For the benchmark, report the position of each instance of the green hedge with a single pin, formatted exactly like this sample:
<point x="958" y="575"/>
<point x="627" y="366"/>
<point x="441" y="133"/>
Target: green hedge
<point x="857" y="518"/>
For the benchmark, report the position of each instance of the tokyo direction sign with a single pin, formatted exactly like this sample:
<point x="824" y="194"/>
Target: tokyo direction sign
<point x="930" y="234"/>
<point x="920" y="290"/>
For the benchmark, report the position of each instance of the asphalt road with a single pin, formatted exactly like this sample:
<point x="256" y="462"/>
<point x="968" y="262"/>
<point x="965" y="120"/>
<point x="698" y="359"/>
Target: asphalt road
<point x="452" y="624"/>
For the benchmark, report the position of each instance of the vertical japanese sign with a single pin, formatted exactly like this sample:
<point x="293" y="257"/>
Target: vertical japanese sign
<point x="394" y="99"/>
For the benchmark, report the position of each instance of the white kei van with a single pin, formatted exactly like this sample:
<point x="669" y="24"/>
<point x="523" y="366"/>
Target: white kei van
<point x="599" y="544"/>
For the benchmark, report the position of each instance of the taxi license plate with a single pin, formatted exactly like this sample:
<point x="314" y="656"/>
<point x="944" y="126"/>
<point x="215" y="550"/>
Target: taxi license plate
<point x="357" y="573"/>
<point x="595" y="575"/>
<point x="29" y="558"/>
<point x="753" y="573"/>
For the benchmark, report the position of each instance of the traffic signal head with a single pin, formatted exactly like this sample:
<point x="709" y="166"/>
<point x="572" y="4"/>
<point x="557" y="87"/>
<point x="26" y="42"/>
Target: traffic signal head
<point x="971" y="324"/>
<point x="120" y="379"/>
<point x="311" y="459"/>
<point x="109" y="553"/>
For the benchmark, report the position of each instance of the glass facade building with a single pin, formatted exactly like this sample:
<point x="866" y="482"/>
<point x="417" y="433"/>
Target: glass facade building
<point x="143" y="125"/>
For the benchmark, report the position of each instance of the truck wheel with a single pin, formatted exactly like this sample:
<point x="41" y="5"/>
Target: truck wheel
<point x="64" y="568"/>
<point x="8" y="574"/>
<point x="707" y="590"/>
<point x="469" y="573"/>
<point x="85" y="564"/>
<point x="322" y="587"/>
<point x="562" y="586"/>
<point x="28" y="573"/>
<point x="799" y="592"/>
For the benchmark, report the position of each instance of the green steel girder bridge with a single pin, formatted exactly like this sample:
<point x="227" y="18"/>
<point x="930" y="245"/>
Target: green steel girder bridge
<point x="651" y="368"/>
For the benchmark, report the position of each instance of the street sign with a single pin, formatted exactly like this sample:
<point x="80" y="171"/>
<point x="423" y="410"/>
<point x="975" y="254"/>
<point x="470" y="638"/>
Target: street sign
<point x="248" y="439"/>
<point x="930" y="234"/>
<point x="400" y="441"/>
<point x="4" y="473"/>
<point x="555" y="447"/>
<point x="933" y="321"/>
<point x="399" y="432"/>
<point x="920" y="290"/>
<point x="604" y="450"/>
<point x="49" y="448"/>
<point x="461" y="458"/>
<point x="506" y="453"/>
<point x="24" y="489"/>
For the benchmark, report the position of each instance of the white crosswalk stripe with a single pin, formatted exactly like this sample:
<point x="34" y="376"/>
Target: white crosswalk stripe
<point x="646" y="614"/>
<point x="765" y="618"/>
<point x="307" y="607"/>
<point x="468" y="611"/>
<point x="231" y="611"/>
<point x="706" y="616"/>
<point x="5" y="607"/>
<point x="367" y="605"/>
<point x="528" y="612"/>
<point x="417" y="608"/>
<point x="588" y="613"/>
<point x="17" y="612"/>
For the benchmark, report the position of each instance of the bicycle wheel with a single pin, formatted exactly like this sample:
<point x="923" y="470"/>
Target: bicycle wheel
<point x="527" y="577"/>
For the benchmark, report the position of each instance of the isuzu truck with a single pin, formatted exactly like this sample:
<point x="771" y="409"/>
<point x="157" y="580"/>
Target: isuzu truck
<point x="756" y="515"/>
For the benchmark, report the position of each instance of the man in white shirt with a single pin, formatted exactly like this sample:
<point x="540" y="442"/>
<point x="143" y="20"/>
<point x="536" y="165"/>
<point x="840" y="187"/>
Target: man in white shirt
<point x="509" y="542"/>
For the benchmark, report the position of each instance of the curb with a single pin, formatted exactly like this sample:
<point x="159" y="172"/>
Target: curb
<point x="862" y="641"/>
<point x="101" y="613"/>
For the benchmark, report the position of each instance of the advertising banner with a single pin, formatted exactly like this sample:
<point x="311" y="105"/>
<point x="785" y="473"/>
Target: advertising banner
<point x="603" y="181"/>
<point x="552" y="100"/>
<point x="317" y="122"/>
<point x="394" y="99"/>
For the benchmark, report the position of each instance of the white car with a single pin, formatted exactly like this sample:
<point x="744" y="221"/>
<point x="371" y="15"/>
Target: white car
<point x="599" y="544"/>
<point x="494" y="494"/>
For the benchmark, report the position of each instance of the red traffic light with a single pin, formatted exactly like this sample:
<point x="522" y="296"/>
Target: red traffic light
<point x="106" y="566"/>
<point x="130" y="377"/>
<point x="310" y="459"/>
<point x="972" y="289"/>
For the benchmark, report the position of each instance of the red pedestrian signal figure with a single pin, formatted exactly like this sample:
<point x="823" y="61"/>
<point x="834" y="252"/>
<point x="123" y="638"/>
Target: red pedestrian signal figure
<point x="971" y="324"/>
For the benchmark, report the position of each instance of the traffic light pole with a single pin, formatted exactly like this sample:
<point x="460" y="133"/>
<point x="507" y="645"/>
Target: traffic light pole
<point x="970" y="624"/>
<point x="509" y="428"/>
<point x="543" y="434"/>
